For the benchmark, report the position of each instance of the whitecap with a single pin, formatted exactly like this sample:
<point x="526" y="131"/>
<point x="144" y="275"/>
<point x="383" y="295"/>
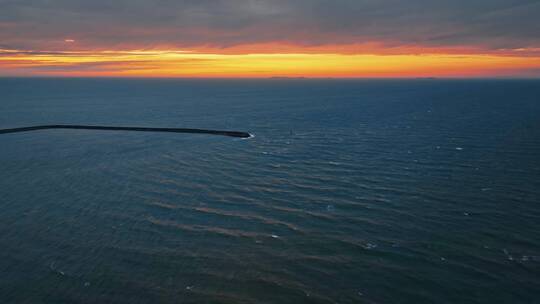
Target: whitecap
<point x="370" y="246"/>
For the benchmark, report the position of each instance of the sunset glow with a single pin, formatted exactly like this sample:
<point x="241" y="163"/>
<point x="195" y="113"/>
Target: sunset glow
<point x="260" y="38"/>
<point x="167" y="63"/>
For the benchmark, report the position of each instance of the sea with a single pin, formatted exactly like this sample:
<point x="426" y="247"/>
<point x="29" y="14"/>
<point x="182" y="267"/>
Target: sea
<point x="350" y="191"/>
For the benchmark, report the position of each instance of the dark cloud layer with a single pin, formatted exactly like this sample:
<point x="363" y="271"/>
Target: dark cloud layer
<point x="485" y="24"/>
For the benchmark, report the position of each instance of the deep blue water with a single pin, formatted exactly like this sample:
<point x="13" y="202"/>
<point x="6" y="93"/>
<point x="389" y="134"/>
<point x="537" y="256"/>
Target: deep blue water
<point x="351" y="191"/>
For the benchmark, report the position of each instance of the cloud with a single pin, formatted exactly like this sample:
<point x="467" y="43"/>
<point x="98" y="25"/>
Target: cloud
<point x="139" y="24"/>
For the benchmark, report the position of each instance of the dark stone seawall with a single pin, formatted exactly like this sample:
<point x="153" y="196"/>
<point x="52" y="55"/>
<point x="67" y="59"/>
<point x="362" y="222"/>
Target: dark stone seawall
<point x="136" y="129"/>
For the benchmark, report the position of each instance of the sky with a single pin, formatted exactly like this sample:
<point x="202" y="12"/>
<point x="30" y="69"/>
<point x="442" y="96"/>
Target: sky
<point x="268" y="38"/>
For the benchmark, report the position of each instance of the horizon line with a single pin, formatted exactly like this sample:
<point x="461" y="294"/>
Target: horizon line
<point x="299" y="78"/>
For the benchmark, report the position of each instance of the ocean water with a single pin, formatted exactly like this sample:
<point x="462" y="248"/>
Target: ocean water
<point x="351" y="191"/>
